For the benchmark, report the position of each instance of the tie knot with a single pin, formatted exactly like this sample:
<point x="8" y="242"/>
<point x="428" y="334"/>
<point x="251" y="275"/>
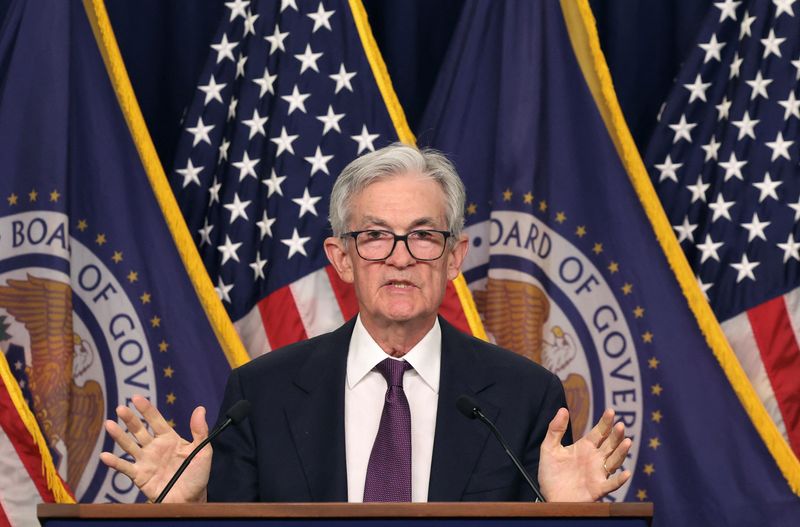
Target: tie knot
<point x="393" y="370"/>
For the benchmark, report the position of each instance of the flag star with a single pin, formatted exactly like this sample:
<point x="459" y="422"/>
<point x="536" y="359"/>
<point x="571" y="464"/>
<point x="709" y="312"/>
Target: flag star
<point x="205" y="233"/>
<point x="223" y="150"/>
<point x="246" y="166"/>
<point x="746" y="126"/>
<point x="265" y="225"/>
<point x="709" y="248"/>
<point x="224" y="48"/>
<point x="745" y="268"/>
<point x="720" y="208"/>
<point x="783" y="6"/>
<point x="779" y="147"/>
<point x="365" y="140"/>
<point x="759" y="86"/>
<point x="319" y="162"/>
<point x="223" y="289"/>
<point x="307" y="203"/>
<point x="685" y="230"/>
<point x="755" y="229"/>
<point x="321" y="18"/>
<point x="250" y="24"/>
<point x="698" y="89"/>
<point x="723" y="108"/>
<point x="699" y="189"/>
<point x="288" y="3"/>
<point x="296" y="100"/>
<point x="704" y="287"/>
<point x="727" y="9"/>
<point x="747" y="21"/>
<point x="266" y="83"/>
<point x="712" y="49"/>
<point x="284" y="142"/>
<point x="213" y="192"/>
<point x="668" y="169"/>
<point x="212" y="90"/>
<point x="736" y="66"/>
<point x="791" y="249"/>
<point x="768" y="188"/>
<point x="712" y="148"/>
<point x="232" y="108"/>
<point x="258" y="267"/>
<point x="296" y="244"/>
<point x="796" y="64"/>
<point x="237" y="8"/>
<point x="308" y="59"/>
<point x="733" y="167"/>
<point x="190" y="173"/>
<point x="237" y="208"/>
<point x="256" y="124"/>
<point x="791" y="105"/>
<point x="274" y="184"/>
<point x="331" y="120"/>
<point x="229" y="250"/>
<point x="796" y="208"/>
<point x="683" y="130"/>
<point x="276" y="40"/>
<point x="343" y="79"/>
<point x="240" y="65"/>
<point x="200" y="132"/>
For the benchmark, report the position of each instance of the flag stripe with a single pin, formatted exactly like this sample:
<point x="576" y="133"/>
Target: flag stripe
<point x="20" y="493"/>
<point x="345" y="294"/>
<point x="781" y="355"/>
<point x="3" y="518"/>
<point x="316" y="303"/>
<point x="792" y="300"/>
<point x="281" y="318"/>
<point x="251" y="329"/>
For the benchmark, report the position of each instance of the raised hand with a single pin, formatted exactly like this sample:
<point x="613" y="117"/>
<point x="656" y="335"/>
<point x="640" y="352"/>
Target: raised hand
<point x="585" y="470"/>
<point x="157" y="456"/>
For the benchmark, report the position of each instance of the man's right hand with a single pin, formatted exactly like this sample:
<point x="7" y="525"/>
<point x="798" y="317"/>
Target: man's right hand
<point x="157" y="456"/>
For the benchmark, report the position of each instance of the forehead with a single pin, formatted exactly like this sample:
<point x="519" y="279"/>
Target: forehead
<point x="400" y="200"/>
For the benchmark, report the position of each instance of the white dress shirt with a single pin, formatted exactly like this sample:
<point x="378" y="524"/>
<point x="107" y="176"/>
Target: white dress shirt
<point x="363" y="405"/>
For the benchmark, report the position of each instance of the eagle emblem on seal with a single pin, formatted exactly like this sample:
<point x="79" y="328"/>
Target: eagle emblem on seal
<point x="514" y="314"/>
<point x="69" y="415"/>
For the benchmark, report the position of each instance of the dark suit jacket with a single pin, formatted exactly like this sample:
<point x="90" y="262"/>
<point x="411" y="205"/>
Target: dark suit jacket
<point x="292" y="447"/>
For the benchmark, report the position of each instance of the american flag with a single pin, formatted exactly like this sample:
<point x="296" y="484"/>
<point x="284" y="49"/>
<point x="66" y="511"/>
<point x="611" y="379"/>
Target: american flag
<point x="724" y="160"/>
<point x="292" y="92"/>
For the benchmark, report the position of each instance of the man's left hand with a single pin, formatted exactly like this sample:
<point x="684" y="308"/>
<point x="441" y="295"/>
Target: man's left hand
<point x="587" y="469"/>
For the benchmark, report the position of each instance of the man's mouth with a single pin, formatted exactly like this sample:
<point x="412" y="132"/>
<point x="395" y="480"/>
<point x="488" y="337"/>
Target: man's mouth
<point x="401" y="284"/>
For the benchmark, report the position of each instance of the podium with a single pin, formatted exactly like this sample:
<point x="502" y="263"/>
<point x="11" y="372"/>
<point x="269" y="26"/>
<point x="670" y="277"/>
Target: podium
<point x="346" y="514"/>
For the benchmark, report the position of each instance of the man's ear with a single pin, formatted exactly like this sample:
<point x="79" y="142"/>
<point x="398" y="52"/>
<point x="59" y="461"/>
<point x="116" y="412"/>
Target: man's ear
<point x="337" y="254"/>
<point x="456" y="257"/>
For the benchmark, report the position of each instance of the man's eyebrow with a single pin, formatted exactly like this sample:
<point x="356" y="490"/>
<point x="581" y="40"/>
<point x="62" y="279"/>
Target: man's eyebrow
<point x="419" y="222"/>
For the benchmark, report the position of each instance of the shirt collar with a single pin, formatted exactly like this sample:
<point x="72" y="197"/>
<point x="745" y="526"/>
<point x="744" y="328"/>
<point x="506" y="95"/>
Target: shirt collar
<point x="364" y="354"/>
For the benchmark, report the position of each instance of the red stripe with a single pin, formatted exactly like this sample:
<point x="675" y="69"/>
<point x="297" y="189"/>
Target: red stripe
<point x="23" y="443"/>
<point x="452" y="311"/>
<point x="281" y="318"/>
<point x="780" y="354"/>
<point x="4" y="522"/>
<point x="345" y="294"/>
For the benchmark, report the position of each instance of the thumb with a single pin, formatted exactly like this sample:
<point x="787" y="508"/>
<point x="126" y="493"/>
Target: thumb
<point x="198" y="424"/>
<point x="556" y="429"/>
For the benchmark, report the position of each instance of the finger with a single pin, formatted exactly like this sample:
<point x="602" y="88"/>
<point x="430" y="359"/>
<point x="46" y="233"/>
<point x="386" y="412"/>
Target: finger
<point x="198" y="424"/>
<point x="618" y="456"/>
<point x="153" y="417"/>
<point x="122" y="439"/>
<point x="134" y="425"/>
<point x="616" y="481"/>
<point x="556" y="429"/>
<point x="119" y="464"/>
<point x="603" y="427"/>
<point x="613" y="440"/>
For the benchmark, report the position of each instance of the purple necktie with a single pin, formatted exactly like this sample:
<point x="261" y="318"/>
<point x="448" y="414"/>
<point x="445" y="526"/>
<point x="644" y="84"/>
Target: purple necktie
<point x="389" y="470"/>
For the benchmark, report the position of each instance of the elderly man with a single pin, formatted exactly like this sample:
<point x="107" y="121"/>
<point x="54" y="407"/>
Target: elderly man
<point x="367" y="412"/>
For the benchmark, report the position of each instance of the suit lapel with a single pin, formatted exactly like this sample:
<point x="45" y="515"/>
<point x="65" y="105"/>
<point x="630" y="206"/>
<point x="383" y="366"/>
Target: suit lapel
<point x="316" y="417"/>
<point x="459" y="441"/>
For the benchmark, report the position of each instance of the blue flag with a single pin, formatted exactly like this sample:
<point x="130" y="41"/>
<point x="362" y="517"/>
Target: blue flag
<point x="96" y="303"/>
<point x="573" y="264"/>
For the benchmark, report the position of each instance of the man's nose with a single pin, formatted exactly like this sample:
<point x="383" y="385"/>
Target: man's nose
<point x="400" y="257"/>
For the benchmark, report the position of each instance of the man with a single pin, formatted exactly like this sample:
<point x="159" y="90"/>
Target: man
<point x="368" y="412"/>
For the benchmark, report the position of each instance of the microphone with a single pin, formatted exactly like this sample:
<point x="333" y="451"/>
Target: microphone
<point x="235" y="414"/>
<point x="470" y="409"/>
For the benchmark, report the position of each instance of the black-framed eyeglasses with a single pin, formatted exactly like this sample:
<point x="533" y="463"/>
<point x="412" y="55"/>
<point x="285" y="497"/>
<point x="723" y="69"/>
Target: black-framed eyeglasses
<point x="423" y="244"/>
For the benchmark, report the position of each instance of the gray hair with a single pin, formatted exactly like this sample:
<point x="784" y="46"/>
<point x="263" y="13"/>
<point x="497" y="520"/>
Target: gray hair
<point x="389" y="161"/>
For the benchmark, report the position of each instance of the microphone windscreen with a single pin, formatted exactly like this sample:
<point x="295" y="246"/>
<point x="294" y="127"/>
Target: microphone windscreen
<point x="468" y="406"/>
<point x="238" y="411"/>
